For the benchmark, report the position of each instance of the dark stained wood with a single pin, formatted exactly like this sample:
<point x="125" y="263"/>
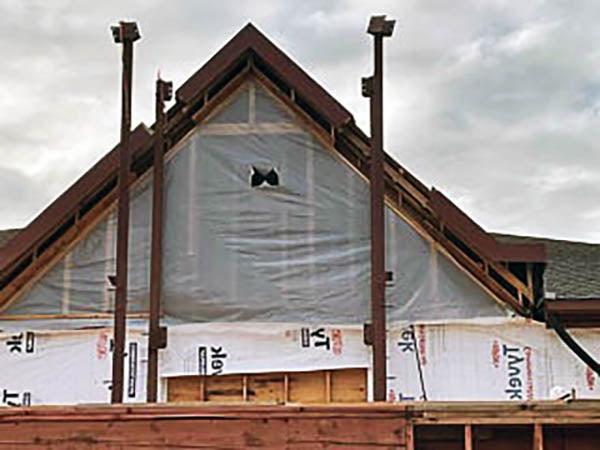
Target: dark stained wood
<point x="68" y="203"/>
<point x="571" y="437"/>
<point x="377" y="229"/>
<point x="483" y="242"/>
<point x="248" y="41"/>
<point x="251" y="39"/>
<point x="163" y="93"/>
<point x="120" y="319"/>
<point x="575" y="313"/>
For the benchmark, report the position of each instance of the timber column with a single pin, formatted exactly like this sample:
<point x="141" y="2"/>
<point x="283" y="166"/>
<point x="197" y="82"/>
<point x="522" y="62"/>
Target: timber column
<point x="125" y="33"/>
<point x="372" y="87"/>
<point x="157" y="335"/>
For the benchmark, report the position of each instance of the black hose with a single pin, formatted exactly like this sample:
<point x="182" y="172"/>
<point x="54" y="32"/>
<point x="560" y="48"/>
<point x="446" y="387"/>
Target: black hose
<point x="564" y="335"/>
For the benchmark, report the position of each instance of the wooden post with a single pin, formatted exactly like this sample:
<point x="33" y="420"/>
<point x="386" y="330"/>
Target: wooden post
<point x="245" y="387"/>
<point x="203" y="389"/>
<point x="410" y="436"/>
<point x="373" y="88"/>
<point x="327" y="386"/>
<point x="286" y="388"/>
<point x="538" y="437"/>
<point x="530" y="281"/>
<point x="156" y="335"/>
<point x="468" y="437"/>
<point x="126" y="33"/>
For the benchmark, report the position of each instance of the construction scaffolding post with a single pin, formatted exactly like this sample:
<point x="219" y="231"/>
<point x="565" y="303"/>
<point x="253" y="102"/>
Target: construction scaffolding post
<point x="125" y="33"/>
<point x="157" y="336"/>
<point x="379" y="27"/>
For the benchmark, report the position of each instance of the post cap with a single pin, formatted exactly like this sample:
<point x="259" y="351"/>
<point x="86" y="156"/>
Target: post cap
<point x="125" y="31"/>
<point x="378" y="25"/>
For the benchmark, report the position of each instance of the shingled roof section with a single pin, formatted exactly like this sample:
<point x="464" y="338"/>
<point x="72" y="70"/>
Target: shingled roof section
<point x="573" y="268"/>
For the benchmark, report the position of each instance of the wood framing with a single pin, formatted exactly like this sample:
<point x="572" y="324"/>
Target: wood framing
<point x="27" y="256"/>
<point x="575" y="312"/>
<point x="40" y="266"/>
<point x="424" y="426"/>
<point x="394" y="200"/>
<point x="538" y="437"/>
<point x="323" y="386"/>
<point x="468" y="437"/>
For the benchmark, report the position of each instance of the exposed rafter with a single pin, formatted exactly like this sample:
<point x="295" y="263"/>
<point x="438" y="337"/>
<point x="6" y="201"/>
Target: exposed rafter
<point x="476" y="251"/>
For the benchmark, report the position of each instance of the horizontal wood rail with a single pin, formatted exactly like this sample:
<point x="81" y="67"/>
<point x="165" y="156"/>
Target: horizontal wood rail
<point x="401" y="426"/>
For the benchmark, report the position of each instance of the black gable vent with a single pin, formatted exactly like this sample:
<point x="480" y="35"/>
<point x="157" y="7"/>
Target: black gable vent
<point x="260" y="177"/>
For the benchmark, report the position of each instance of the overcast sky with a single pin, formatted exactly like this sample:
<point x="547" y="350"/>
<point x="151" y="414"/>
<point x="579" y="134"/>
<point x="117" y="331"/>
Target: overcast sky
<point x="496" y="103"/>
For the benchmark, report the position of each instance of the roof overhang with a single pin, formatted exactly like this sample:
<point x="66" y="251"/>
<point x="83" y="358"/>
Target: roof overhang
<point x="250" y="39"/>
<point x="71" y="202"/>
<point x="469" y="245"/>
<point x="575" y="312"/>
<point x="464" y="227"/>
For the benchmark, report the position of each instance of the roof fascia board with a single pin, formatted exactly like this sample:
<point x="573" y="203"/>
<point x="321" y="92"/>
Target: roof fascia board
<point x="483" y="281"/>
<point x="575" y="312"/>
<point x="464" y="227"/>
<point x="250" y="38"/>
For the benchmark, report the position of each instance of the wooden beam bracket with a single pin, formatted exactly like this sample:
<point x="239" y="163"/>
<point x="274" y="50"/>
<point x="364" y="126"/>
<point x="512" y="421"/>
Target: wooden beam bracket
<point x="368" y="334"/>
<point x="158" y="340"/>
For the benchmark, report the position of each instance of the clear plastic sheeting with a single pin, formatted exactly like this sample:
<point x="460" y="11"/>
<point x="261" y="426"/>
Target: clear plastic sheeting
<point x="82" y="282"/>
<point x="426" y="285"/>
<point x="241" y="246"/>
<point x="270" y="253"/>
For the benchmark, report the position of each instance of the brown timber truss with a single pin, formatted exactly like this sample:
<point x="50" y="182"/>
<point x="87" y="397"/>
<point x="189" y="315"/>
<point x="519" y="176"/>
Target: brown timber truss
<point x="511" y="273"/>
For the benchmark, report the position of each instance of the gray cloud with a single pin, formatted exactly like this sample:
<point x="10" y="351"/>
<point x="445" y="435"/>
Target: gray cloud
<point x="497" y="103"/>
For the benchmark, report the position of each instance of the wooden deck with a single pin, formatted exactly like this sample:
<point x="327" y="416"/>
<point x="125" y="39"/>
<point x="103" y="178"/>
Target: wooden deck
<point x="410" y="426"/>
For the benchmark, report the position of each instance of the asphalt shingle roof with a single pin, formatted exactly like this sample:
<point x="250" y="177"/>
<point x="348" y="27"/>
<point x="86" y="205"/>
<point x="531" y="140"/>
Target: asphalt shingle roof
<point x="573" y="269"/>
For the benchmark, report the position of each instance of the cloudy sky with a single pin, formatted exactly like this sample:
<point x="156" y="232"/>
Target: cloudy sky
<point x="496" y="103"/>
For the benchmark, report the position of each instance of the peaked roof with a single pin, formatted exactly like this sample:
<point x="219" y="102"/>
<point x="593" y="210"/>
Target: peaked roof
<point x="251" y="39"/>
<point x="474" y="249"/>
